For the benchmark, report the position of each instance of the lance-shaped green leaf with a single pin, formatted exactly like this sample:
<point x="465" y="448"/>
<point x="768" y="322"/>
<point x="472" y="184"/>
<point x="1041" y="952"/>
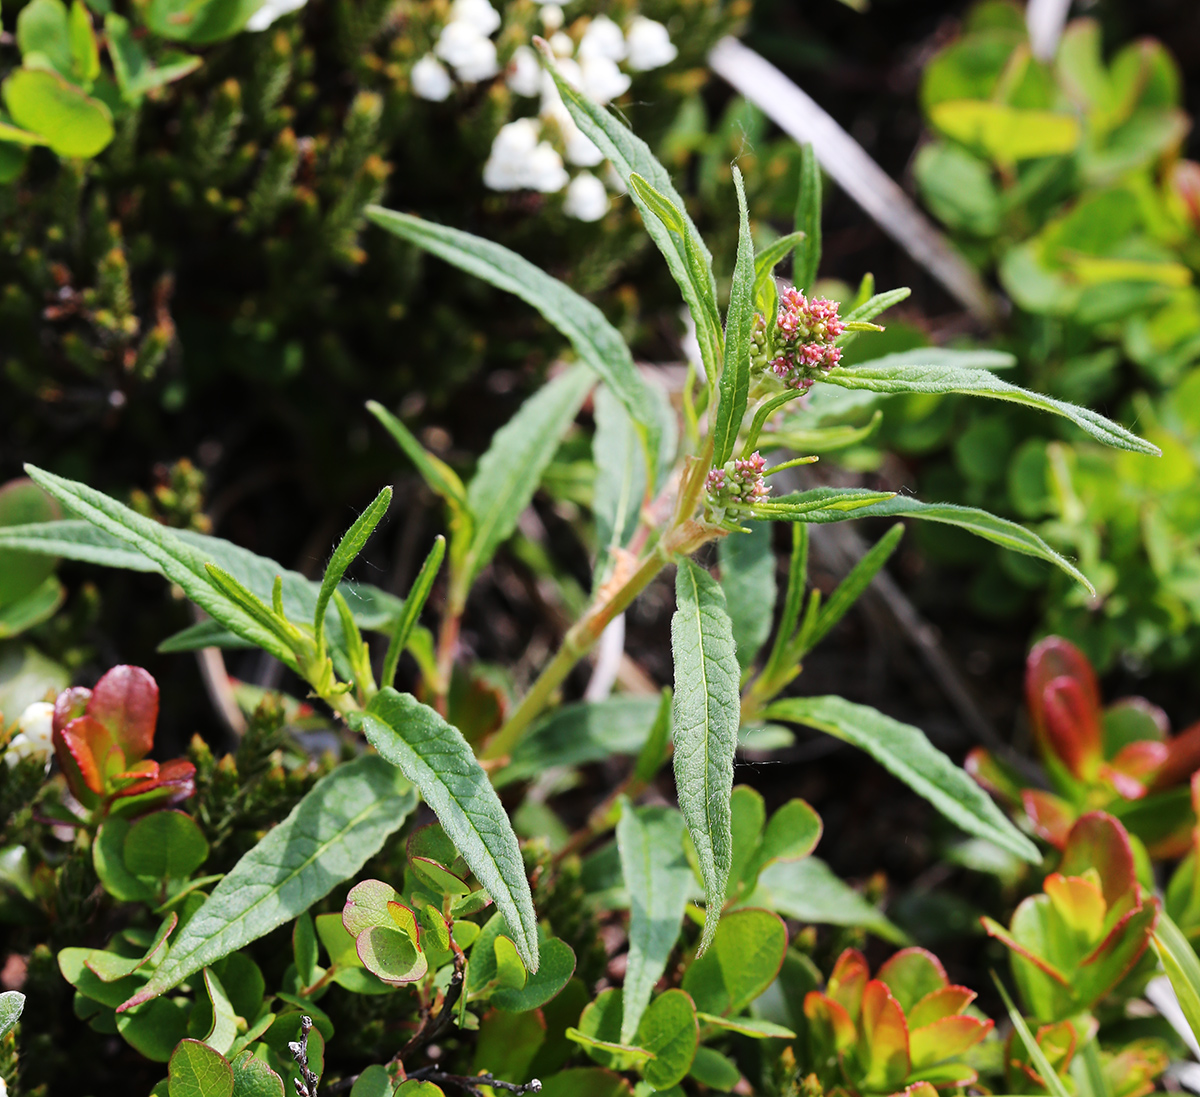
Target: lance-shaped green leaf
<point x="850" y="589"/>
<point x="886" y="375"/>
<point x="734" y="385"/>
<point x="906" y="752"/>
<point x="808" y="221"/>
<point x="595" y="340"/>
<point x="342" y="822"/>
<point x="1182" y="967"/>
<point x="438" y="760"/>
<point x="115" y="536"/>
<point x="706" y="710"/>
<point x="511" y="469"/>
<point x="878" y="303"/>
<point x="440" y="477"/>
<point x="659" y="880"/>
<point x="766" y="297"/>
<point x="820" y="505"/>
<point x="177" y="560"/>
<point x="688" y="259"/>
<point x="999" y="531"/>
<point x="620" y="486"/>
<point x="413" y="605"/>
<point x="748" y="579"/>
<point x="351" y="544"/>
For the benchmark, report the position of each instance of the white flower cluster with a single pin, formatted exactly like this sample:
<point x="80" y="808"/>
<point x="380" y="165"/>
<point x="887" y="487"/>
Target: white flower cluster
<point x="34" y="735"/>
<point x="521" y="157"/>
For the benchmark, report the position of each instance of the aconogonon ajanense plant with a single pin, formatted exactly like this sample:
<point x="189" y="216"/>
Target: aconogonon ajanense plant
<point x="663" y="491"/>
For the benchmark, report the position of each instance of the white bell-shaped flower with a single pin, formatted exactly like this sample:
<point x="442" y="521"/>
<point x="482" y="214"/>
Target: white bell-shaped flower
<point x="35" y="735"/>
<point x="430" y="80"/>
<point x="478" y="13"/>
<point x="524" y="73"/>
<point x="602" y="80"/>
<point x="650" y="46"/>
<point x="603" y="38"/>
<point x="469" y="53"/>
<point x="586" y="200"/>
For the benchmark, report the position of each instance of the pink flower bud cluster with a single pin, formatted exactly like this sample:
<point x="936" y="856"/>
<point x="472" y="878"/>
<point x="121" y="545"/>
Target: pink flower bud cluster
<point x="805" y="330"/>
<point x="740" y="481"/>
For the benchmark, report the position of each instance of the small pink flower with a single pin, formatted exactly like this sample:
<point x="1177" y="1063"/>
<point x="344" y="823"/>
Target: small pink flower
<point x="805" y="330"/>
<point x="740" y="481"/>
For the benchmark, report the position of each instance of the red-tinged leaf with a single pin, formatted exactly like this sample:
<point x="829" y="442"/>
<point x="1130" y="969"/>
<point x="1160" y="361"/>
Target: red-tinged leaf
<point x="70" y="705"/>
<point x="367" y="906"/>
<point x="144" y="770"/>
<point x="832" y="1026"/>
<point x="1057" y="1042"/>
<point x="1134" y="768"/>
<point x="884" y="1046"/>
<point x="1112" y="959"/>
<point x="920" y="1089"/>
<point x="847" y="981"/>
<point x="1079" y="903"/>
<point x="912" y="974"/>
<point x="945" y="1039"/>
<point x="83" y="749"/>
<point x="1072" y="727"/>
<point x="946" y="1002"/>
<point x="1183" y="759"/>
<point x="174" y="782"/>
<point x="994" y="775"/>
<point x="1054" y="658"/>
<point x="1098" y="841"/>
<point x="1052" y="817"/>
<point x="125" y="701"/>
<point x="994" y="929"/>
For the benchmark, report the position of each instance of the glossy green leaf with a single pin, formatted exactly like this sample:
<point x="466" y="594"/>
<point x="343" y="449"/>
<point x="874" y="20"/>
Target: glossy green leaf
<point x="733" y="389"/>
<point x="85" y="53"/>
<point x="808" y="221"/>
<point x="660" y="882"/>
<point x="748" y="579"/>
<point x="511" y="469"/>
<point x="894" y="374"/>
<point x="373" y="1082"/>
<point x="586" y="1082"/>
<point x="352" y="543"/>
<point x="790" y="834"/>
<point x="200" y="22"/>
<point x="439" y="761"/>
<point x="715" y="1070"/>
<point x="71" y="122"/>
<point x="164" y="845"/>
<point x="556" y="966"/>
<point x="43" y="33"/>
<point x="12" y="1004"/>
<point x="196" y="1070"/>
<point x="253" y="1078"/>
<point x="343" y="820"/>
<point x="212" y="1019"/>
<point x="598" y="344"/>
<point x="391" y="954"/>
<point x="809" y="891"/>
<point x="135" y="74"/>
<point x="744" y="959"/>
<point x="906" y="752"/>
<point x="706" y="711"/>
<point x="574" y="735"/>
<point x="753" y="1027"/>
<point x="155" y="1030"/>
<point x="37" y="606"/>
<point x="1005" y="133"/>
<point x="687" y="257"/>
<point x="669" y="1030"/>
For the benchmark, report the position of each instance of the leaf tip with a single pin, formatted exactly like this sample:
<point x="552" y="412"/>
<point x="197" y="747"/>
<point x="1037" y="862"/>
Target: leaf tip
<point x="143" y="995"/>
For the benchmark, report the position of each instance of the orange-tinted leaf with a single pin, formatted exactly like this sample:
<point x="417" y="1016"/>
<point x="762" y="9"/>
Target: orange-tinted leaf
<point x="912" y="974"/>
<point x="84" y="750"/>
<point x="919" y="1089"/>
<point x="1079" y="903"/>
<point x="884" y="1044"/>
<point x="174" y="783"/>
<point x="1098" y="841"/>
<point x="125" y="701"/>
<point x="1133" y="770"/>
<point x="993" y="775"/>
<point x="1111" y="960"/>
<point x="945" y="1039"/>
<point x="941" y="1003"/>
<point x="70" y="705"/>
<point x="831" y="1025"/>
<point x="1052" y="817"/>
<point x="846" y="982"/>
<point x="994" y="929"/>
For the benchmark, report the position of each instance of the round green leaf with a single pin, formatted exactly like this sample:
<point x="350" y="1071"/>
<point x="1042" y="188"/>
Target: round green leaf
<point x="253" y="1078"/>
<point x="108" y="856"/>
<point x="155" y="1029"/>
<point x="198" y="1071"/>
<point x="741" y="963"/>
<point x="715" y="1070"/>
<point x="367" y="906"/>
<point x="553" y="973"/>
<point x="669" y="1029"/>
<point x="391" y="955"/>
<point x="22" y="502"/>
<point x="73" y="123"/>
<point x="167" y="845"/>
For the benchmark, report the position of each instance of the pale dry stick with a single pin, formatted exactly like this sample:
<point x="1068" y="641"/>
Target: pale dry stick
<point x="799" y="116"/>
<point x="1044" y="19"/>
<point x="216" y="683"/>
